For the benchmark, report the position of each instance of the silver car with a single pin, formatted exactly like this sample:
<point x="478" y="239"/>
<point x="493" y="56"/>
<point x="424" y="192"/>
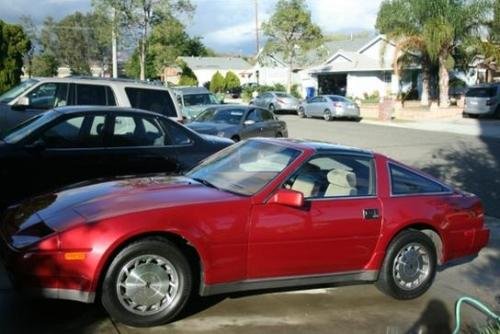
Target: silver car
<point x="276" y="101"/>
<point x="483" y="100"/>
<point x="329" y="107"/>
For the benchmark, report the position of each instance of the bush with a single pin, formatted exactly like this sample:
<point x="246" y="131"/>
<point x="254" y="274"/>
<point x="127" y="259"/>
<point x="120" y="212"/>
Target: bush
<point x="231" y="82"/>
<point x="217" y="84"/>
<point x="374" y="97"/>
<point x="188" y="78"/>
<point x="295" y="91"/>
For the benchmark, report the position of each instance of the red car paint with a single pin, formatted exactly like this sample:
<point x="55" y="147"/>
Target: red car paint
<point x="237" y="238"/>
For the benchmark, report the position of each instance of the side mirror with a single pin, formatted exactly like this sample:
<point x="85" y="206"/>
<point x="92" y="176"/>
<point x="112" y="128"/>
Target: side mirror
<point x="288" y="197"/>
<point x="22" y="103"/>
<point x="249" y="122"/>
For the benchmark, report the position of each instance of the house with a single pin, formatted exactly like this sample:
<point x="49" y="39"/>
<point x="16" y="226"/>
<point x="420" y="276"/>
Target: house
<point x="205" y="67"/>
<point x="355" y="67"/>
<point x="359" y="68"/>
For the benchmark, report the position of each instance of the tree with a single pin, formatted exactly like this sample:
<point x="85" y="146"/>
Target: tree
<point x="31" y="31"/>
<point x="14" y="44"/>
<point x="231" y="81"/>
<point x="44" y="65"/>
<point x="142" y="14"/>
<point x="188" y="78"/>
<point x="217" y="83"/>
<point x="291" y="32"/>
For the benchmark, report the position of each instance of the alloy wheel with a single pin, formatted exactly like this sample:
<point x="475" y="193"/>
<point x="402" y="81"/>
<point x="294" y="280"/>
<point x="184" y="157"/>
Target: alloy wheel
<point x="411" y="266"/>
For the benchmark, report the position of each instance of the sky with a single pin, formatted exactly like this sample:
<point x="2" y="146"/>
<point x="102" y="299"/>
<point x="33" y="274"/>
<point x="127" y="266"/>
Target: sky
<point x="225" y="25"/>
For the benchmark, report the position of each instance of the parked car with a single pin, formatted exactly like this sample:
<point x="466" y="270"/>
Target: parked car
<point x="276" y="101"/>
<point x="72" y="144"/>
<point x="482" y="100"/>
<point x="239" y="122"/>
<point x="194" y="100"/>
<point x="35" y="96"/>
<point x="263" y="213"/>
<point x="329" y="107"/>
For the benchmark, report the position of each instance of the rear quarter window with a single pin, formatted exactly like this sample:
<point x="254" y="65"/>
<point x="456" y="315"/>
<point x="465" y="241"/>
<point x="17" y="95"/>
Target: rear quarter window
<point x="155" y="100"/>
<point x="406" y="182"/>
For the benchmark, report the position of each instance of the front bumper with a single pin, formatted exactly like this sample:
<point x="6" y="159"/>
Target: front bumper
<point x="43" y="275"/>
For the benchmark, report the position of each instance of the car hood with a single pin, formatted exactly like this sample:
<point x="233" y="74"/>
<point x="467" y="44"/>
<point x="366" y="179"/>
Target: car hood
<point x="212" y="128"/>
<point x="94" y="202"/>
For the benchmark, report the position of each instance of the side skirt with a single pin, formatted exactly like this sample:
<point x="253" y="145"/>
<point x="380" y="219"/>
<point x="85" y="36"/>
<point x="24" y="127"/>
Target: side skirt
<point x="286" y="282"/>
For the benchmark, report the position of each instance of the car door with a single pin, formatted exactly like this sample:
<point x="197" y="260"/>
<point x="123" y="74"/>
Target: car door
<point x="45" y="96"/>
<point x="270" y="126"/>
<point x="314" y="106"/>
<point x="252" y="124"/>
<point x="69" y="150"/>
<point x="138" y="144"/>
<point x="336" y="230"/>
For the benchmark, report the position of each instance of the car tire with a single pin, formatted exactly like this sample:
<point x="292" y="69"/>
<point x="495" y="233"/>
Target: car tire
<point x="301" y="112"/>
<point x="134" y="291"/>
<point x="272" y="108"/>
<point x="279" y="135"/>
<point x="412" y="277"/>
<point x="235" y="139"/>
<point x="327" y="115"/>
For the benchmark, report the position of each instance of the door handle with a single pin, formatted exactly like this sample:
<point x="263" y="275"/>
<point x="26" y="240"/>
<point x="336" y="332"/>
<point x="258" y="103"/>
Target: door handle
<point x="371" y="214"/>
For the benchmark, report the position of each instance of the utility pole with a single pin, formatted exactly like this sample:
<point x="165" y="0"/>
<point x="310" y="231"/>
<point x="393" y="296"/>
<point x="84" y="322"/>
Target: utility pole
<point x="113" y="45"/>
<point x="257" y="25"/>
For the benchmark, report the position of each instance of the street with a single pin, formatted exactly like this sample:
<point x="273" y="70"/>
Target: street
<point x="466" y="161"/>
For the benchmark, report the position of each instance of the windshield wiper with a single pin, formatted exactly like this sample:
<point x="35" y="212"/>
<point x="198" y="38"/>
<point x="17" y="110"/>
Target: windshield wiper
<point x="205" y="182"/>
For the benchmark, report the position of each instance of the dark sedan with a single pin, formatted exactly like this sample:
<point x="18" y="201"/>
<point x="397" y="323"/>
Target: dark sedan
<point x="239" y="122"/>
<point x="73" y="144"/>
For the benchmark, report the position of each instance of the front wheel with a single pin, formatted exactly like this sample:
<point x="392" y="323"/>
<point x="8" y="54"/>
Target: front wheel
<point x="409" y="266"/>
<point x="301" y="112"/>
<point x="147" y="284"/>
<point x="272" y="108"/>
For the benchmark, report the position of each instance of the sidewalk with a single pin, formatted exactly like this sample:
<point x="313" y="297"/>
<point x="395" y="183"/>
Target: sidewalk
<point x="489" y="128"/>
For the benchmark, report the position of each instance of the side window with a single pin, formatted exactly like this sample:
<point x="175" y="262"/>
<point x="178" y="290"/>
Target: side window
<point x="155" y="136"/>
<point x="155" y="100"/>
<point x="110" y="97"/>
<point x="334" y="176"/>
<point x="95" y="136"/>
<point x="94" y="95"/>
<point x="65" y="134"/>
<point x="127" y="131"/>
<point x="49" y="95"/>
<point x="316" y="99"/>
<point x="177" y="134"/>
<point x="406" y="182"/>
<point x="253" y="115"/>
<point x="266" y="115"/>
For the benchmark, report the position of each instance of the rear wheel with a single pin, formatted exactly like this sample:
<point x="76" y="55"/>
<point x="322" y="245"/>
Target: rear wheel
<point x="409" y="266"/>
<point x="327" y="115"/>
<point x="235" y="138"/>
<point x="279" y="135"/>
<point x="147" y="284"/>
<point x="301" y="112"/>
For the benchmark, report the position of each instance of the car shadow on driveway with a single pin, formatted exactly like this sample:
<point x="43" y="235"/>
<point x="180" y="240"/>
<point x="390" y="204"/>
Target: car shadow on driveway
<point x="434" y="319"/>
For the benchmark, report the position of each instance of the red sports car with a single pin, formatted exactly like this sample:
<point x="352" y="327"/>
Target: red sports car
<point x="259" y="214"/>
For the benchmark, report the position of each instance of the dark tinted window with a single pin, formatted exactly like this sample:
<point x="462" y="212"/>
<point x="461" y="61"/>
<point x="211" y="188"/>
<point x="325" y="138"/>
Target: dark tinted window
<point x="94" y="95"/>
<point x="155" y="100"/>
<point x="49" y="95"/>
<point x="199" y="99"/>
<point x="335" y="176"/>
<point x="404" y="181"/>
<point x="481" y="92"/>
<point x="228" y="116"/>
<point x="76" y="132"/>
<point x="266" y="115"/>
<point x="178" y="135"/>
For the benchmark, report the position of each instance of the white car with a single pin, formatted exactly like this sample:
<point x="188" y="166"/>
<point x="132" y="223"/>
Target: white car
<point x="38" y="95"/>
<point x="329" y="107"/>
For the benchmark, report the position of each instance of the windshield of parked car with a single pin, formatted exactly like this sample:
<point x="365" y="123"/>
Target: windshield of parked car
<point x="336" y="98"/>
<point x="481" y="92"/>
<point x="244" y="168"/>
<point x="227" y="116"/>
<point x="199" y="99"/>
<point x="282" y="95"/>
<point x="17" y="90"/>
<point x="24" y="129"/>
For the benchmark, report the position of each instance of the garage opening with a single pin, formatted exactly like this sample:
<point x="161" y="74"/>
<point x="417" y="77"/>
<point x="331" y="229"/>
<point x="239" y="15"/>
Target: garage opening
<point x="332" y="83"/>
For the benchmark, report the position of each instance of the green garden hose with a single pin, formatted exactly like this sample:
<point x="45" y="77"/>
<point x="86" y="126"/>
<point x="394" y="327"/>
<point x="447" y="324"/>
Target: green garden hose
<point x="477" y="305"/>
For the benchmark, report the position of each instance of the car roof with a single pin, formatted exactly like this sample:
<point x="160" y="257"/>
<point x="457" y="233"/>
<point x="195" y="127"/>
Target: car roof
<point x="317" y="146"/>
<point x="104" y="81"/>
<point x="78" y="109"/>
<point x="191" y="90"/>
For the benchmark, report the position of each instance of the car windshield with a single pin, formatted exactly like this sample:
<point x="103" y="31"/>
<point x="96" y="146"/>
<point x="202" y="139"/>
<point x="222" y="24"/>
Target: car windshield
<point x="244" y="168"/>
<point x="336" y="98"/>
<point x="481" y="92"/>
<point x="227" y="116"/>
<point x="199" y="99"/>
<point x="283" y="95"/>
<point x="24" y="129"/>
<point x="17" y="90"/>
